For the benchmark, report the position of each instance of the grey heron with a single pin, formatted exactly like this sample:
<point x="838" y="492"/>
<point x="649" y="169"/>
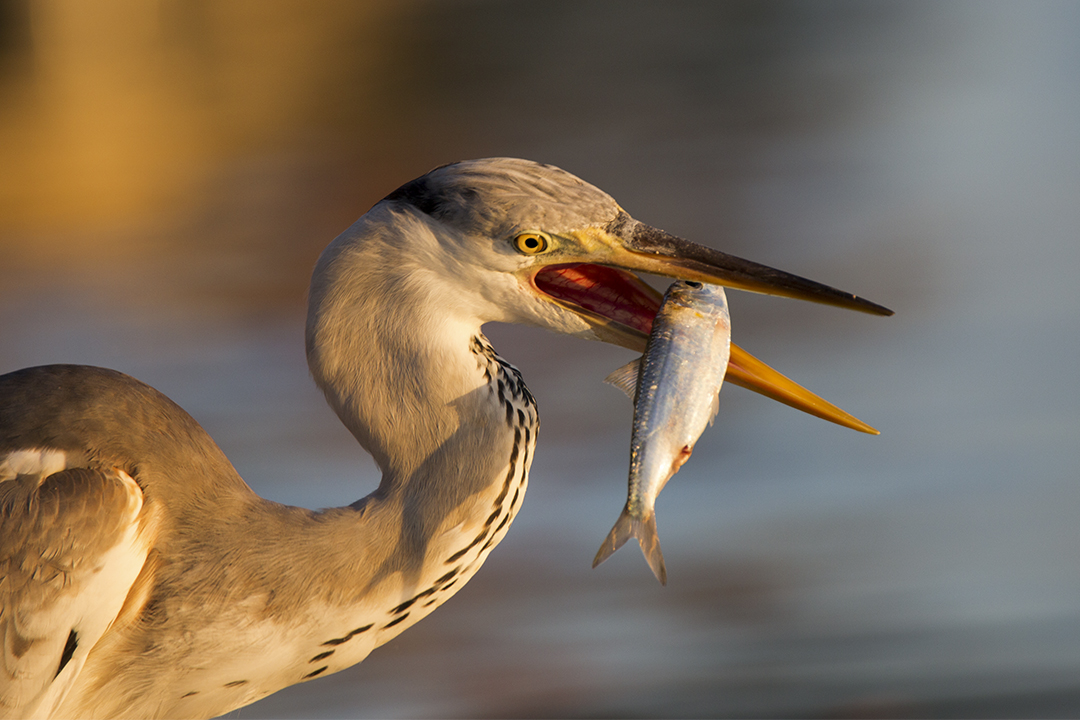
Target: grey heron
<point x="141" y="577"/>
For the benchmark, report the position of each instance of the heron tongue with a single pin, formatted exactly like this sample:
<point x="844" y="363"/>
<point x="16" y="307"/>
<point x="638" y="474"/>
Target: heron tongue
<point x="609" y="292"/>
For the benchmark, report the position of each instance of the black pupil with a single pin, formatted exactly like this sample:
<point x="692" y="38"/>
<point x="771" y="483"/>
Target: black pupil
<point x="693" y="284"/>
<point x="532" y="243"/>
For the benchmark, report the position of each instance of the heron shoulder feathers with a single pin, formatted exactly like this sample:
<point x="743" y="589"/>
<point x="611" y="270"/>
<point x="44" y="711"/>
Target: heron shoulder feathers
<point x="73" y="540"/>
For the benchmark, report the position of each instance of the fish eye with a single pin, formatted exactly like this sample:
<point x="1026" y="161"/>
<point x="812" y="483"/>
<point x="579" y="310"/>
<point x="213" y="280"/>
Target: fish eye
<point x="531" y="243"/>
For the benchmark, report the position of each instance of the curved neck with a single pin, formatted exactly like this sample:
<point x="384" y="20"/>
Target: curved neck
<point x="407" y="370"/>
<point x="389" y="348"/>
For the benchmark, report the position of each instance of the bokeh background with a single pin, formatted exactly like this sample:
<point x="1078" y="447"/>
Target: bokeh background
<point x="170" y="170"/>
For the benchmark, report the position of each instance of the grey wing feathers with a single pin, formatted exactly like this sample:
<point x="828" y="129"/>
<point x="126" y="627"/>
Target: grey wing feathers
<point x="69" y="552"/>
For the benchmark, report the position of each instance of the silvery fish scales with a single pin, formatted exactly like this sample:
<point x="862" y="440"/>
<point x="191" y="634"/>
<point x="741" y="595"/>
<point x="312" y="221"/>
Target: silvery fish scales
<point x="675" y="386"/>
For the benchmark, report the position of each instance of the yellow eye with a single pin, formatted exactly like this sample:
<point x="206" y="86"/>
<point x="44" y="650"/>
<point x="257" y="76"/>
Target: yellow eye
<point x="531" y="243"/>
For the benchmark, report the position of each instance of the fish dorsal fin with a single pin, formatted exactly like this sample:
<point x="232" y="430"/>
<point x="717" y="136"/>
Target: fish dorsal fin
<point x="626" y="377"/>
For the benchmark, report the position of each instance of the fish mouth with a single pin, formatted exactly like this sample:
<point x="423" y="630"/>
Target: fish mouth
<point x="620" y="308"/>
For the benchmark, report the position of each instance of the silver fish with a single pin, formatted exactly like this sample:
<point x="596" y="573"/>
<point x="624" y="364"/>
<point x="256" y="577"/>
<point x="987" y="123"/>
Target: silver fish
<point x="675" y="386"/>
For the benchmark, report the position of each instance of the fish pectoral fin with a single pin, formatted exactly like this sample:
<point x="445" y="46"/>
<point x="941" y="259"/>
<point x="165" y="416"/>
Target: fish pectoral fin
<point x="626" y="378"/>
<point x="715" y="408"/>
<point x="644" y="529"/>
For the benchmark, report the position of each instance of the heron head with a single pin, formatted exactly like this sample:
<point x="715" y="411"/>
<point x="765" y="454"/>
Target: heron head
<point x="552" y="250"/>
<point x="534" y="244"/>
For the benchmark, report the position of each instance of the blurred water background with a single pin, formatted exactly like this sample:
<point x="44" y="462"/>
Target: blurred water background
<point x="170" y="170"/>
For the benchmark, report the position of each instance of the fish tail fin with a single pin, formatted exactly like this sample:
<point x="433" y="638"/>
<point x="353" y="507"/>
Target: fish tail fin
<point x="620" y="533"/>
<point x="644" y="529"/>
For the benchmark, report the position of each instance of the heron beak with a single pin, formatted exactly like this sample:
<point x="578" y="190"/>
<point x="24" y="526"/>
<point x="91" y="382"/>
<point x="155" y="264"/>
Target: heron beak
<point x="619" y="307"/>
<point x="639" y="247"/>
<point x="747" y="371"/>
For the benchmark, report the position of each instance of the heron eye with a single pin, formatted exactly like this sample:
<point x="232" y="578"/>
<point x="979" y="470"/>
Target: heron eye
<point x="531" y="243"/>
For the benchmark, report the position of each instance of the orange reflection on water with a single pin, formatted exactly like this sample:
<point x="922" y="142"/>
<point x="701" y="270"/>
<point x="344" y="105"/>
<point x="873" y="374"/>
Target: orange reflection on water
<point x="118" y="110"/>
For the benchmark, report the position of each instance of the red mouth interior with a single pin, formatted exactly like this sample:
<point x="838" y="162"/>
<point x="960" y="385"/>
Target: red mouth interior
<point x="614" y="294"/>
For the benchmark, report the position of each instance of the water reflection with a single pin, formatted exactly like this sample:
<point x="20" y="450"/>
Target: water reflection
<point x="172" y="170"/>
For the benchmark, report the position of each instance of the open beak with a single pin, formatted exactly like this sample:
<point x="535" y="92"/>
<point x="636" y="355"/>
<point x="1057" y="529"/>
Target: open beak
<point x="602" y="289"/>
<point x="646" y="249"/>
